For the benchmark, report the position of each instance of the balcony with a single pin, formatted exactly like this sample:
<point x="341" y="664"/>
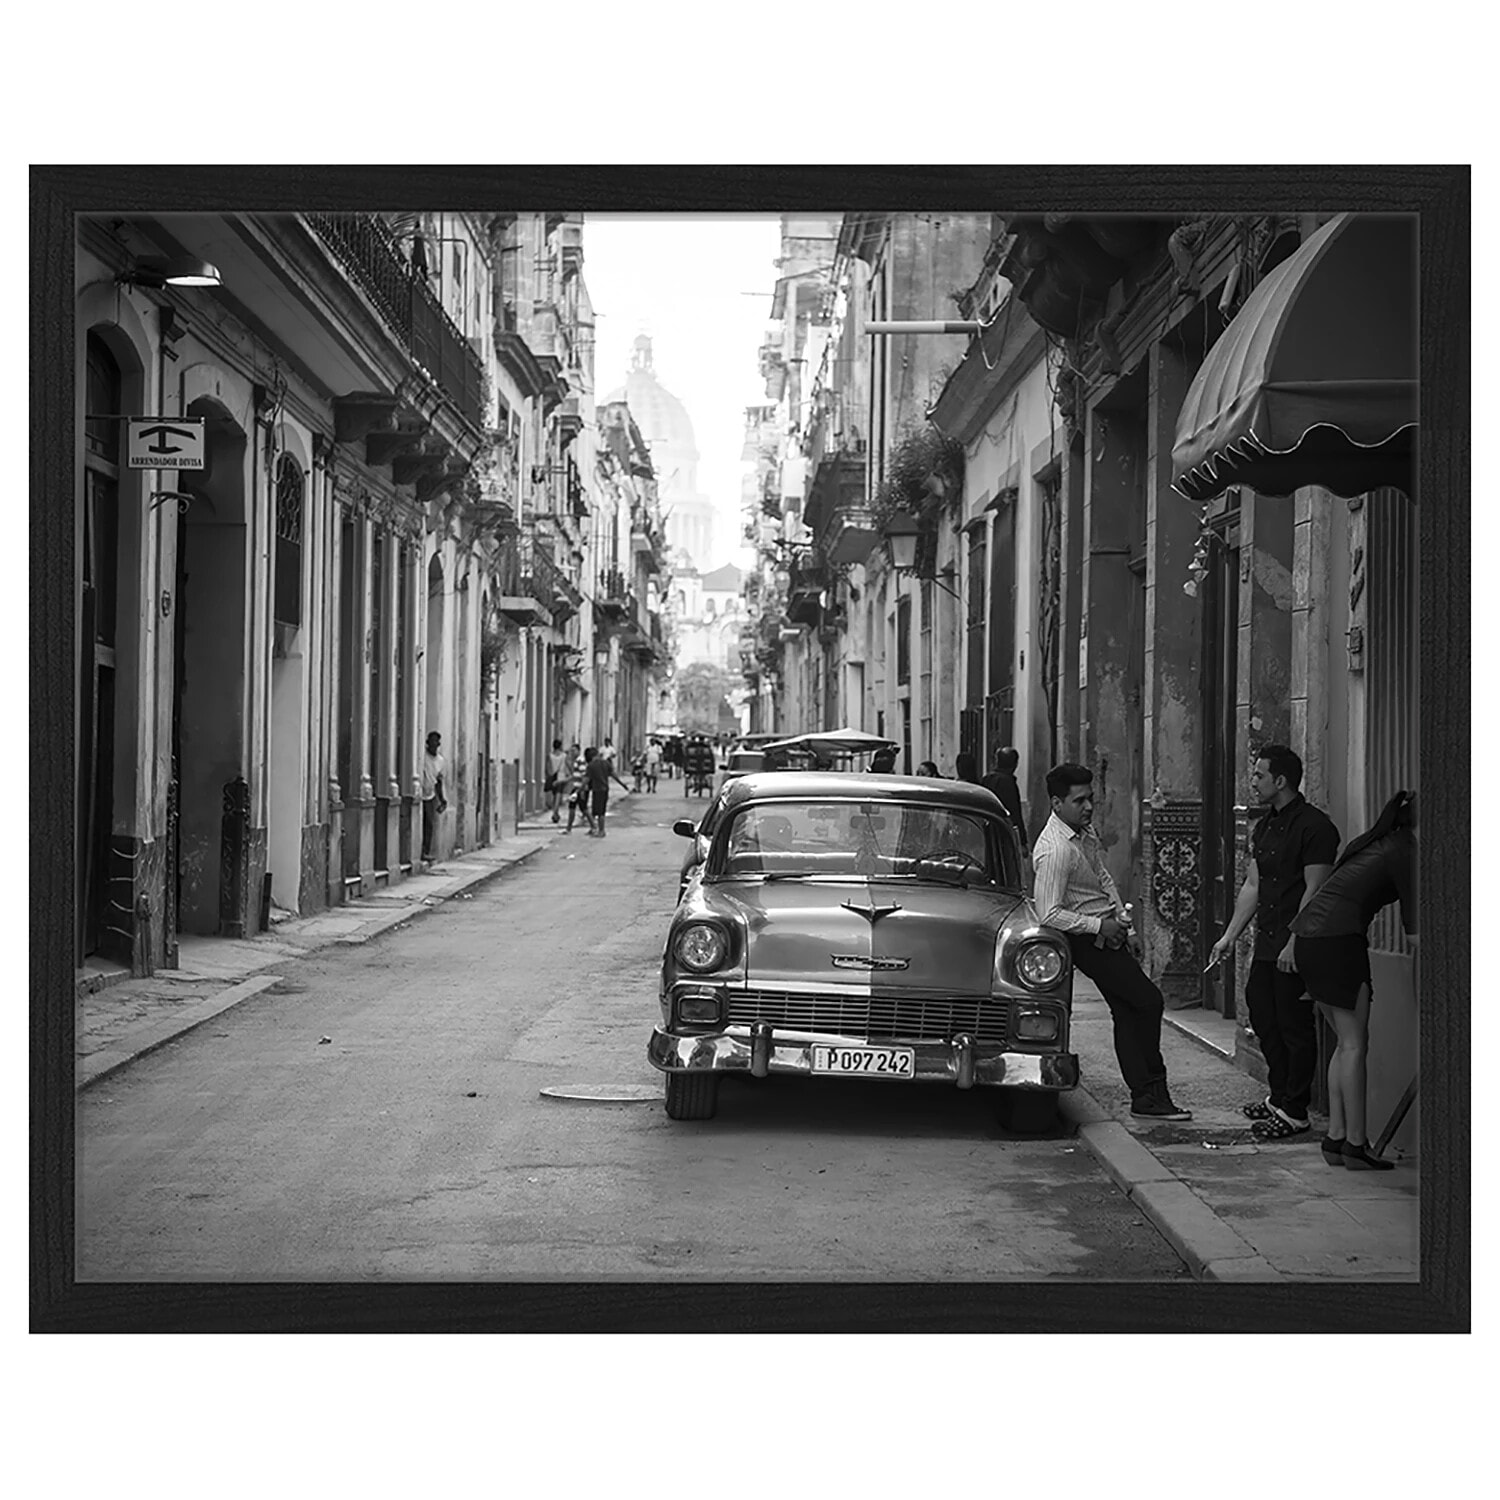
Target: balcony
<point x="836" y="514"/>
<point x="614" y="602"/>
<point x="561" y="595"/>
<point x="363" y="246"/>
<point x="525" y="579"/>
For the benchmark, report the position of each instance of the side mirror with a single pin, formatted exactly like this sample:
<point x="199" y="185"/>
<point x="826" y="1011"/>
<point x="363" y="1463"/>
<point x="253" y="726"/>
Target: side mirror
<point x="685" y="828"/>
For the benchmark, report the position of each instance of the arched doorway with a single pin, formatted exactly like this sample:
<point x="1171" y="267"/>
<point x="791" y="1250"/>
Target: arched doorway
<point x="208" y="715"/>
<point x="288" y="687"/>
<point x="104" y="398"/>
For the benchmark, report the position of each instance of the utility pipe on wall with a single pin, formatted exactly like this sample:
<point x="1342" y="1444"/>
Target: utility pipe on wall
<point x="934" y="327"/>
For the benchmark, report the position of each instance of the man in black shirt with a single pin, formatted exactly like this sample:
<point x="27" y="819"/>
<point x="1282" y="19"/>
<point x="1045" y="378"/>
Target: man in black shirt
<point x="1292" y="850"/>
<point x="1002" y="782"/>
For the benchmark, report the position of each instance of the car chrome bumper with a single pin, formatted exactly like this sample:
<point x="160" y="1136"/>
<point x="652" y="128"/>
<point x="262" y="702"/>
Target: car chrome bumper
<point x="759" y="1051"/>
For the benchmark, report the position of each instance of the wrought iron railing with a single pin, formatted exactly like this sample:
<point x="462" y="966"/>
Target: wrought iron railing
<point x="362" y="244"/>
<point x="516" y="570"/>
<point x="555" y="585"/>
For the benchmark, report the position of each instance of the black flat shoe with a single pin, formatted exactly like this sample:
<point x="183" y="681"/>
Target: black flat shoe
<point x="1333" y="1151"/>
<point x="1358" y="1159"/>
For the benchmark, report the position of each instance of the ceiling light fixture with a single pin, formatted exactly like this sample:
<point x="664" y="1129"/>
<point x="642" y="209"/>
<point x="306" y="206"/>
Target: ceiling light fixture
<point x="156" y="271"/>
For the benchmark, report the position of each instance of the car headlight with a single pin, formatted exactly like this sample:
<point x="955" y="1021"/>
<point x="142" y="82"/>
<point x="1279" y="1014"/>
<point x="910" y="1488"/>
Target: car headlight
<point x="701" y="947"/>
<point x="1039" y="966"/>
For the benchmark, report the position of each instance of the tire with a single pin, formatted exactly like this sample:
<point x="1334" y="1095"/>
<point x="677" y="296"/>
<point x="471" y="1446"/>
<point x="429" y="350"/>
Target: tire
<point x="1028" y="1113"/>
<point x="692" y="1096"/>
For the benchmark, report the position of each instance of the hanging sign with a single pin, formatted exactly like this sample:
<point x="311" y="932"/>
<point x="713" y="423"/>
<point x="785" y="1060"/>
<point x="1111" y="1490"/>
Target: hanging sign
<point x="166" y="442"/>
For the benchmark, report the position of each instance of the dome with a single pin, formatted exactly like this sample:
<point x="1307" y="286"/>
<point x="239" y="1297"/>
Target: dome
<point x="659" y="414"/>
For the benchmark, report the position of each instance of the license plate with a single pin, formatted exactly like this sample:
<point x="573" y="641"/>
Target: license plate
<point x="871" y="1062"/>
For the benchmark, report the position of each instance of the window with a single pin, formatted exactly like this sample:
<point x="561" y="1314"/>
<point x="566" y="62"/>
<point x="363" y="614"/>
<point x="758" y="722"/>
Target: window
<point x="925" y="741"/>
<point x="1392" y="686"/>
<point x="841" y="840"/>
<point x="101" y="512"/>
<point x="287" y="607"/>
<point x="903" y="640"/>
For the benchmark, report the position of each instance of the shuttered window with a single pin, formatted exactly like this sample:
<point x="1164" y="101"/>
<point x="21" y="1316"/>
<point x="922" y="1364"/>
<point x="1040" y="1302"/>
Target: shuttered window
<point x="288" y="592"/>
<point x="1391" y="684"/>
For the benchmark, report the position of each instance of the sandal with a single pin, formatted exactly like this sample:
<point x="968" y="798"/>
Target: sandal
<point x="1258" y="1111"/>
<point x="1279" y="1128"/>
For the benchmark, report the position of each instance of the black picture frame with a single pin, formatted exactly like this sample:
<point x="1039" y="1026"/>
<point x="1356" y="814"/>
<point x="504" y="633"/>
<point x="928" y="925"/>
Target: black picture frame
<point x="1440" y="1302"/>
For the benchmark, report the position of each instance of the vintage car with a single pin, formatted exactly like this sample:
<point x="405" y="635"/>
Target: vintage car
<point x="839" y="925"/>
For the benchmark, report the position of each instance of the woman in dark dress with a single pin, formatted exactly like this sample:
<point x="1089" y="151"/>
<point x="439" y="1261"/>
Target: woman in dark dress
<point x="1332" y="954"/>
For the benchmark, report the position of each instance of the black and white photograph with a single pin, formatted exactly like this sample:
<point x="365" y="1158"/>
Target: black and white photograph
<point x="862" y="746"/>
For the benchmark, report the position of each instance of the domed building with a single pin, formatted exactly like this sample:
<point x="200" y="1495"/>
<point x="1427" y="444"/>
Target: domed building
<point x="666" y="426"/>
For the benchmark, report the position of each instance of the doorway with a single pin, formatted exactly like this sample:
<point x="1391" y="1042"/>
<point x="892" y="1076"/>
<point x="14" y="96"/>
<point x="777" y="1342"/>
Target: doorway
<point x="208" y="723"/>
<point x="288" y="714"/>
<point x="1221" y="632"/>
<point x="96" y="679"/>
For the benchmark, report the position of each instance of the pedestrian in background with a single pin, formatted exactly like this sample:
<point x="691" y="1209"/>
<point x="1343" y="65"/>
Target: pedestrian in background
<point x="966" y="768"/>
<point x="1291" y="853"/>
<point x="1076" y="894"/>
<point x="578" y="792"/>
<point x="1002" y="782"/>
<point x="598" y="772"/>
<point x="1333" y="958"/>
<point x="883" y="762"/>
<point x="556" y="785"/>
<point x="929" y="768"/>
<point x="653" y="763"/>
<point x="608" y="751"/>
<point x="434" y="802"/>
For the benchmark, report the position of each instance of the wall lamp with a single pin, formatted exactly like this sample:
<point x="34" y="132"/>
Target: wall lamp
<point x="156" y="271"/>
<point x="900" y="535"/>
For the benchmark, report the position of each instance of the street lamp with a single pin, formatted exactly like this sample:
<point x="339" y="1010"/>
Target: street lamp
<point x="900" y="534"/>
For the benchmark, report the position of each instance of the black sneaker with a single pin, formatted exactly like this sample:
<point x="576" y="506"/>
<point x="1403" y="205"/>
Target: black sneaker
<point x="1159" y="1108"/>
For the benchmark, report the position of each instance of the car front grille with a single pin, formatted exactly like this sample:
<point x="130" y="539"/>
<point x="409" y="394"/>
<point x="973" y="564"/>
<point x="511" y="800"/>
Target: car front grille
<point x="911" y="1018"/>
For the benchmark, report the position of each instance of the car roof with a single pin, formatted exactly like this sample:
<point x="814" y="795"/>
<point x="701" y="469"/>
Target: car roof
<point x="767" y="786"/>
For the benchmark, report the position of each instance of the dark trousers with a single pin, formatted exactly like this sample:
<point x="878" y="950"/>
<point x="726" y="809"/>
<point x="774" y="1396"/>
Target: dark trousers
<point x="429" y="825"/>
<point x="1136" y="1006"/>
<point x="1284" y="1026"/>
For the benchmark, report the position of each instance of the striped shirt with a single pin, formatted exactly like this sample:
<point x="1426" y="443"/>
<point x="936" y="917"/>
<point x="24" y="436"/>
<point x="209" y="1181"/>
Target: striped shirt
<point x="1074" y="891"/>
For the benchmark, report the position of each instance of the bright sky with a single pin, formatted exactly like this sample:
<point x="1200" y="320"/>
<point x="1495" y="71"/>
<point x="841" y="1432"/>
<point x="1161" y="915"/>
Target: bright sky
<point x="681" y="279"/>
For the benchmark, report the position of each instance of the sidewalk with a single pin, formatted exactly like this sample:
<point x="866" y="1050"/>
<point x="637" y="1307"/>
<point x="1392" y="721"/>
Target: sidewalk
<point x="1236" y="1209"/>
<point x="117" y="1019"/>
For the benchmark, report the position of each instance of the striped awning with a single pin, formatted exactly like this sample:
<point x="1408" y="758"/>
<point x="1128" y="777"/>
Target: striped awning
<point x="1315" y="381"/>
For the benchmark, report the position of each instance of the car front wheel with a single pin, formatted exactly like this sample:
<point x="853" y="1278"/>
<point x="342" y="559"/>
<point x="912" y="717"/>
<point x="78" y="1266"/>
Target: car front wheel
<point x="692" y="1096"/>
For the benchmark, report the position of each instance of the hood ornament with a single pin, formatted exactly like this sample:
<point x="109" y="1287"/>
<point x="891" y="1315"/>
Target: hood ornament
<point x="872" y="914"/>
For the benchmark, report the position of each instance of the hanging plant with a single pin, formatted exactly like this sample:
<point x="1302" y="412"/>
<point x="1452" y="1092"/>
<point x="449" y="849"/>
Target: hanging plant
<point x="924" y="469"/>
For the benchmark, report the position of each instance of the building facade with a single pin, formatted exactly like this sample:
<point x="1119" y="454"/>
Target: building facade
<point x="1067" y="597"/>
<point x="392" y="533"/>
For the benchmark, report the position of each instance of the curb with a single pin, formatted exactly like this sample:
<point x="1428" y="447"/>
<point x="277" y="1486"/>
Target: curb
<point x="1209" y="1248"/>
<point x="397" y="915"/>
<point x="111" y="1058"/>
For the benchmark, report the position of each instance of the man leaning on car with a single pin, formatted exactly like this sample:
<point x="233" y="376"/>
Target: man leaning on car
<point x="1075" y="894"/>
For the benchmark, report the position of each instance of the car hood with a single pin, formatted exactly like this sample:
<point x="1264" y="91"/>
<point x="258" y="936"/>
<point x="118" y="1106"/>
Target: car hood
<point x="936" y="939"/>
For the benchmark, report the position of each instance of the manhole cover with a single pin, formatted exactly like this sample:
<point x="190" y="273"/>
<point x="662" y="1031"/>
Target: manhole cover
<point x="606" y="1093"/>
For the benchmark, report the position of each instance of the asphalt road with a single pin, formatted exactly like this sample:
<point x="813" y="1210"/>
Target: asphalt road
<point x="416" y="1142"/>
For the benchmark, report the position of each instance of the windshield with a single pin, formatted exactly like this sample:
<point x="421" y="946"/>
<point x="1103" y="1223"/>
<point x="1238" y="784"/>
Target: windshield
<point x="868" y="841"/>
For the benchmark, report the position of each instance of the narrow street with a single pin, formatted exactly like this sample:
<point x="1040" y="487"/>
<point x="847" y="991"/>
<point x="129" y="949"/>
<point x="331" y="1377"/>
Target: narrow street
<point x="416" y="1141"/>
